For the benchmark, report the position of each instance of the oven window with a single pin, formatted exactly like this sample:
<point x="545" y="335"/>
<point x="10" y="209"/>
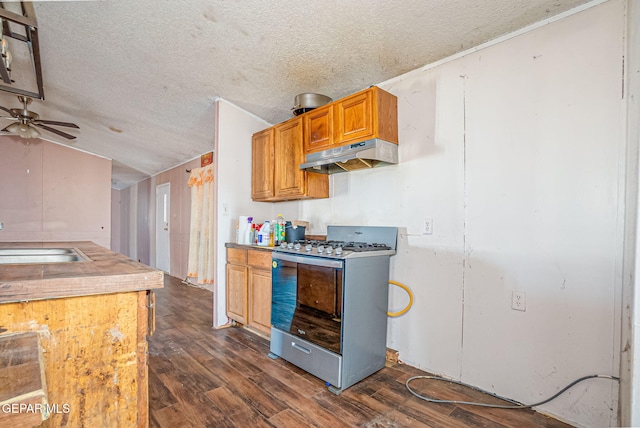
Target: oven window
<point x="307" y="302"/>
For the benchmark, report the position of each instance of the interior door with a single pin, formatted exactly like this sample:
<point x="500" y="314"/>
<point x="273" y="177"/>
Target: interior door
<point x="162" y="226"/>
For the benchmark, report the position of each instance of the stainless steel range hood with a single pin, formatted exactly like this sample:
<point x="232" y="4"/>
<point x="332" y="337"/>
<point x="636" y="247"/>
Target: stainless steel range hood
<point x="363" y="155"/>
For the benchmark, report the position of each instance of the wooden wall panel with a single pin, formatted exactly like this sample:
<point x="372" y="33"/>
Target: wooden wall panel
<point x="92" y="351"/>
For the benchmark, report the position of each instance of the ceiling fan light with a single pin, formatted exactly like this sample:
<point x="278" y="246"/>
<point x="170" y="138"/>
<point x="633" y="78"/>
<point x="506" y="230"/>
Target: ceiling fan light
<point x="14" y="128"/>
<point x="23" y="130"/>
<point x="24" y="133"/>
<point x="33" y="132"/>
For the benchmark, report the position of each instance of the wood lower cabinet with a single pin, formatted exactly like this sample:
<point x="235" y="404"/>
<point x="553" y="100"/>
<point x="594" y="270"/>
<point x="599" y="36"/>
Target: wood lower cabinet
<point x="249" y="287"/>
<point x="260" y="290"/>
<point x="237" y="292"/>
<point x="276" y="175"/>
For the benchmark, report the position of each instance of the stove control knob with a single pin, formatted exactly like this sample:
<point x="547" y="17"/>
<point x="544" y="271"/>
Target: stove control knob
<point x="297" y="246"/>
<point x="308" y="247"/>
<point x="290" y="245"/>
<point x="283" y="245"/>
<point x="329" y="250"/>
<point x="320" y="249"/>
<point x="338" y="251"/>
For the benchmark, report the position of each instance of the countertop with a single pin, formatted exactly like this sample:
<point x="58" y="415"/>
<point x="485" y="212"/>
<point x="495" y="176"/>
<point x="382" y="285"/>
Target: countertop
<point x="106" y="272"/>
<point x="248" y="247"/>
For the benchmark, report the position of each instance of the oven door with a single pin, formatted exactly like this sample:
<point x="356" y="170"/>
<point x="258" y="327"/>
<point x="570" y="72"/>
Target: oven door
<point x="307" y="298"/>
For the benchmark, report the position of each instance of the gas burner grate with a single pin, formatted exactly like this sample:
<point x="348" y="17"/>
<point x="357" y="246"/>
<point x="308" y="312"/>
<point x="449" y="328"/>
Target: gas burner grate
<point x="347" y="246"/>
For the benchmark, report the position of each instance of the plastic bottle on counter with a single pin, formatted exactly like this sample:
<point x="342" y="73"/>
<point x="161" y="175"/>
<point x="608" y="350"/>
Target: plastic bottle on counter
<point x="264" y="235"/>
<point x="244" y="228"/>
<point x="279" y="230"/>
<point x="247" y="232"/>
<point x="254" y="234"/>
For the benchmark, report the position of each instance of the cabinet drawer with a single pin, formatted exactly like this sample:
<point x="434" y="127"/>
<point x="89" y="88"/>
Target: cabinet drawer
<point x="260" y="259"/>
<point x="237" y="256"/>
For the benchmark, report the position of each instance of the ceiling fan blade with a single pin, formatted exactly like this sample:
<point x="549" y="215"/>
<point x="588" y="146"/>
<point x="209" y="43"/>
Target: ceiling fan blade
<point x="55" y="131"/>
<point x="8" y="111"/>
<point x="6" y="128"/>
<point x="53" y="122"/>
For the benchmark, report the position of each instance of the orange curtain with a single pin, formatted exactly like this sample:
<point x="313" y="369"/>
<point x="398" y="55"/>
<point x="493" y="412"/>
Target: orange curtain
<point x="201" y="230"/>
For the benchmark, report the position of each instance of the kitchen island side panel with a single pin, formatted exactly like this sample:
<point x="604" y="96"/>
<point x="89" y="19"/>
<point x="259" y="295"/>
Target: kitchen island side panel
<point x="95" y="356"/>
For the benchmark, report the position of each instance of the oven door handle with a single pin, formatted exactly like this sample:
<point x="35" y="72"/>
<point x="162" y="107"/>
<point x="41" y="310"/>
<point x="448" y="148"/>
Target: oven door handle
<point x="301" y="348"/>
<point x="307" y="260"/>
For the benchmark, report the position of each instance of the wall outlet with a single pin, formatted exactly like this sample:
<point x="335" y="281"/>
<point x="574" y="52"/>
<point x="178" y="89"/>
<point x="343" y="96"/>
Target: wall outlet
<point x="427" y="226"/>
<point x="519" y="301"/>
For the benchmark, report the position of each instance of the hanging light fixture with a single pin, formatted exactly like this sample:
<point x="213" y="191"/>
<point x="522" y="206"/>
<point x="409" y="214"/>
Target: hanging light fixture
<point x="20" y="69"/>
<point x="5" y="53"/>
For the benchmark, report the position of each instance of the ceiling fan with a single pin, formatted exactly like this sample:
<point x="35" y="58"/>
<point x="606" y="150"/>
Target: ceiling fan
<point x="26" y="122"/>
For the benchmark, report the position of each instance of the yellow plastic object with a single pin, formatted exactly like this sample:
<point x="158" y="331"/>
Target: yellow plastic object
<point x="397" y="314"/>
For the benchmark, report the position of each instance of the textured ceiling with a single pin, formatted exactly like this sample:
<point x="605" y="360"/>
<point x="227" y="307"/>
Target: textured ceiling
<point x="140" y="77"/>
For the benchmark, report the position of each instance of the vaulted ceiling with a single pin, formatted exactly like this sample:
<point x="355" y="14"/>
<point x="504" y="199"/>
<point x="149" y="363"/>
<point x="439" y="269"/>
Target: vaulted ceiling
<point x="140" y="77"/>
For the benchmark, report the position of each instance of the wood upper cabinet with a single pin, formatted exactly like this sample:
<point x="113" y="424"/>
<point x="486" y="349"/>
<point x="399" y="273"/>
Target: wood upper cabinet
<point x="276" y="175"/>
<point x="279" y="151"/>
<point x="289" y="154"/>
<point x="372" y="113"/>
<point x="262" y="149"/>
<point x="318" y="129"/>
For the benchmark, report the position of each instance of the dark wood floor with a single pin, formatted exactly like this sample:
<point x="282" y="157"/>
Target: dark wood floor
<point x="203" y="377"/>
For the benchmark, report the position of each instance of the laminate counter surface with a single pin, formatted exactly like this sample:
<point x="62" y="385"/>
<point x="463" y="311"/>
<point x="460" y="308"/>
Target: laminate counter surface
<point x="105" y="272"/>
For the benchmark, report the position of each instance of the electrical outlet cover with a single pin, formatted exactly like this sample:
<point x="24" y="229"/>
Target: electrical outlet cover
<point x="427" y="226"/>
<point x="519" y="301"/>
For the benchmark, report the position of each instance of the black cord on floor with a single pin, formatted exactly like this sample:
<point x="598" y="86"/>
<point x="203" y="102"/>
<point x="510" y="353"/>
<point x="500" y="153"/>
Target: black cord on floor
<point x="496" y="406"/>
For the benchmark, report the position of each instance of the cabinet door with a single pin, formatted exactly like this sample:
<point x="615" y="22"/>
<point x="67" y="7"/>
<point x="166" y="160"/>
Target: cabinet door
<point x="289" y="178"/>
<point x="262" y="153"/>
<point x="354" y="117"/>
<point x="260" y="300"/>
<point x="237" y="293"/>
<point x="318" y="129"/>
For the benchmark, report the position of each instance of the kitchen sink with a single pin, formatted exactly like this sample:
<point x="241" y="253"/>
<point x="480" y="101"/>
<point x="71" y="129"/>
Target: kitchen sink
<point x="9" y="256"/>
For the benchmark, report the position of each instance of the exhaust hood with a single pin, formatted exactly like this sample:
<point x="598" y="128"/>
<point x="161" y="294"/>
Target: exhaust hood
<point x="351" y="157"/>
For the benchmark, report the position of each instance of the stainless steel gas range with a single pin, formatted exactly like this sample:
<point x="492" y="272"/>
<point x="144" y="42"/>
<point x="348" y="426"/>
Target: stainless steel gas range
<point x="330" y="302"/>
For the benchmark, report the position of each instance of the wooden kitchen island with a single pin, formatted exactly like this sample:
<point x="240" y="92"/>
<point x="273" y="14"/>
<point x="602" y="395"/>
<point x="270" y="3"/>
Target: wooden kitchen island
<point x="92" y="318"/>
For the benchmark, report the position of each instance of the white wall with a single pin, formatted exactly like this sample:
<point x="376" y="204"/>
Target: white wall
<point x="232" y="180"/>
<point x="630" y="364"/>
<point x="116" y="221"/>
<point x="516" y="151"/>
